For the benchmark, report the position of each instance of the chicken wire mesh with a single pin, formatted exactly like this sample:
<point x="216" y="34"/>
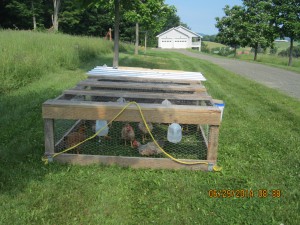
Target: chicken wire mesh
<point x="193" y="144"/>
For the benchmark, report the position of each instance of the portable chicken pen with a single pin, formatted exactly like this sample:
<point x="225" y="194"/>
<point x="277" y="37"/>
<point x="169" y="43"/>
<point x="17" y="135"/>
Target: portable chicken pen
<point x="105" y="93"/>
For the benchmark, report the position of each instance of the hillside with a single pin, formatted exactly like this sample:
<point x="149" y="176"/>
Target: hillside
<point x="211" y="45"/>
<point x="27" y="56"/>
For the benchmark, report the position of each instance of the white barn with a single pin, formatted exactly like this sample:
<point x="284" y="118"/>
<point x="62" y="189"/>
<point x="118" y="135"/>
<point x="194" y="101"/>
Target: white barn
<point x="178" y="38"/>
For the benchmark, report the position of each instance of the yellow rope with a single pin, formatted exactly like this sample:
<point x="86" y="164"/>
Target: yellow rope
<point x="215" y="167"/>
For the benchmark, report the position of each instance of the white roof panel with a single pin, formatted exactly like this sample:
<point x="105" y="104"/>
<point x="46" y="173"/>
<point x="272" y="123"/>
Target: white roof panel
<point x="147" y="73"/>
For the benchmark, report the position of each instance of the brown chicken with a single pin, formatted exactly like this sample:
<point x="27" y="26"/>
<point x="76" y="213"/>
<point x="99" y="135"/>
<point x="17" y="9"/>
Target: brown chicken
<point x="127" y="133"/>
<point x="144" y="130"/>
<point x="150" y="148"/>
<point x="76" y="137"/>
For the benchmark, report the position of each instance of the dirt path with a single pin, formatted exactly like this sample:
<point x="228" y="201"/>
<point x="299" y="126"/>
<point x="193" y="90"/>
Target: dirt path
<point x="286" y="81"/>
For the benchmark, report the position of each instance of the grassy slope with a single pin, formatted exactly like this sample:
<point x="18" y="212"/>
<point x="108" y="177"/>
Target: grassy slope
<point x="211" y="45"/>
<point x="258" y="148"/>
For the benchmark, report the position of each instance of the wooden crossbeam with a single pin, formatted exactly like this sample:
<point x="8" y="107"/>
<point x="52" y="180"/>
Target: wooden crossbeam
<point x="140" y="95"/>
<point x="134" y="162"/>
<point x="64" y="109"/>
<point x="144" y="86"/>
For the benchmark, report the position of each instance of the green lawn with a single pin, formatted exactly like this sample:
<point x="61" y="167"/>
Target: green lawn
<point x="268" y="59"/>
<point x="284" y="45"/>
<point x="258" y="150"/>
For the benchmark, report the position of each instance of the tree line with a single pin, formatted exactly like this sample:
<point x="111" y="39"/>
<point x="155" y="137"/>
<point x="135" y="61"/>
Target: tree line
<point x="90" y="17"/>
<point x="258" y="22"/>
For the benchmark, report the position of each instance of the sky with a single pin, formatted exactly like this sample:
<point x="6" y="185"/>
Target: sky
<point x="200" y="15"/>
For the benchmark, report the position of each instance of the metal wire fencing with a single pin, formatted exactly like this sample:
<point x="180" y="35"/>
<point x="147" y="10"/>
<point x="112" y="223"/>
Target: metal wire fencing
<point x="121" y="140"/>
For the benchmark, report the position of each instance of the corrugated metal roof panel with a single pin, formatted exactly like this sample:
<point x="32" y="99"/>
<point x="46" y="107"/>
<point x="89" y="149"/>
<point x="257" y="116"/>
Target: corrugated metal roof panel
<point x="147" y="73"/>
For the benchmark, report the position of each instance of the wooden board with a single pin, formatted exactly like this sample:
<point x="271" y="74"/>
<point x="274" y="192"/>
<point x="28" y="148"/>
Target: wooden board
<point x="134" y="162"/>
<point x="64" y="109"/>
<point x="144" y="86"/>
<point x="140" y="95"/>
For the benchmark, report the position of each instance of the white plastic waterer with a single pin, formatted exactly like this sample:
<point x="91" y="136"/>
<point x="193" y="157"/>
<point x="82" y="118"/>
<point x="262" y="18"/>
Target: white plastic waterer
<point x="174" y="133"/>
<point x="221" y="105"/>
<point x="99" y="125"/>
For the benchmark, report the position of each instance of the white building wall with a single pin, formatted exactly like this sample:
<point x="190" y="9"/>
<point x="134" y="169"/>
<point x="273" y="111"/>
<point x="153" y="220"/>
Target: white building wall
<point x="174" y="39"/>
<point x="179" y="38"/>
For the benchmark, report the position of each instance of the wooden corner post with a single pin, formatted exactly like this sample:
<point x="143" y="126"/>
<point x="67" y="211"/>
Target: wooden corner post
<point x="213" y="143"/>
<point x="49" y="136"/>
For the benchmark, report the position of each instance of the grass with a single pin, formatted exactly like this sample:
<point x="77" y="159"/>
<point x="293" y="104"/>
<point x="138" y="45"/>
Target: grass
<point x="26" y="57"/>
<point x="284" y="45"/>
<point x="258" y="149"/>
<point x="272" y="60"/>
<point x="211" y="44"/>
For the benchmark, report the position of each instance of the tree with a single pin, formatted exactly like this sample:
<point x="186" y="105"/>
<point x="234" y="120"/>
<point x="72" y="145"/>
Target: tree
<point x="117" y="4"/>
<point x="116" y="34"/>
<point x="286" y="18"/>
<point x="211" y="38"/>
<point x="25" y="14"/>
<point x="144" y="13"/>
<point x="231" y="27"/>
<point x="56" y="8"/>
<point x="170" y="19"/>
<point x="258" y="31"/>
<point x="70" y="17"/>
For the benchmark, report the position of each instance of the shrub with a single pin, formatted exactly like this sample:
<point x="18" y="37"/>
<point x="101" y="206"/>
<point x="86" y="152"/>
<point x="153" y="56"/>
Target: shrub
<point x="273" y="50"/>
<point x="223" y="51"/>
<point x="204" y="47"/>
<point x="295" y="53"/>
<point x="259" y="50"/>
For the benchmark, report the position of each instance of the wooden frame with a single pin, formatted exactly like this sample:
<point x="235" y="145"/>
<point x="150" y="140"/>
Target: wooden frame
<point x="65" y="107"/>
<point x="134" y="162"/>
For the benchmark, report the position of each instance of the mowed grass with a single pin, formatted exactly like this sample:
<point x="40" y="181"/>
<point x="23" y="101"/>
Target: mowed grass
<point x="273" y="60"/>
<point x="268" y="59"/>
<point x="258" y="150"/>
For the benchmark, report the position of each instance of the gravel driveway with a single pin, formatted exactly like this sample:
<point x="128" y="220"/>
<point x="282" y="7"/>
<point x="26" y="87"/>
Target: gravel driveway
<point x="286" y="81"/>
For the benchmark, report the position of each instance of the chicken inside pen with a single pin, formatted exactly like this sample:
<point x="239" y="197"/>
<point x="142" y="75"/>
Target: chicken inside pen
<point x="150" y="148"/>
<point x="127" y="133"/>
<point x="144" y="130"/>
<point x="76" y="137"/>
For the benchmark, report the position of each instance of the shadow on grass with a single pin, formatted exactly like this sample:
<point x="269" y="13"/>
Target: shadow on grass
<point x="22" y="128"/>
